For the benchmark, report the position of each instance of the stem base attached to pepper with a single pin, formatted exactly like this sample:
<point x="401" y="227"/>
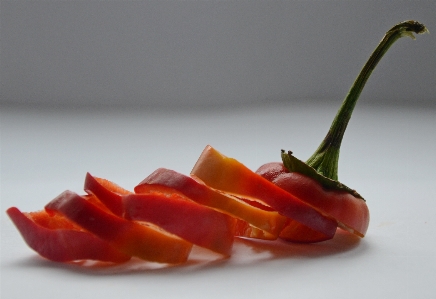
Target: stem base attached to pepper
<point x="323" y="164"/>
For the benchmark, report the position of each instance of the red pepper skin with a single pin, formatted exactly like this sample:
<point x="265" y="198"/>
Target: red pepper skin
<point x="351" y="213"/>
<point x="228" y="175"/>
<point x="253" y="221"/>
<point x="57" y="239"/>
<point x="178" y="215"/>
<point x="127" y="236"/>
<point x="107" y="192"/>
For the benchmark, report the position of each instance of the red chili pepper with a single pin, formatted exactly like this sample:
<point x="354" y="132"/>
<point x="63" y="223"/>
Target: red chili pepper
<point x="316" y="181"/>
<point x="60" y="240"/>
<point x="129" y="237"/>
<point x="297" y="201"/>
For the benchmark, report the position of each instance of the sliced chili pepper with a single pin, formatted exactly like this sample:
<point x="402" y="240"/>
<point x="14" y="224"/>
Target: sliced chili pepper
<point x="73" y="227"/>
<point x="127" y="236"/>
<point x="254" y="222"/>
<point x="60" y="240"/>
<point x="178" y="215"/>
<point x="229" y="175"/>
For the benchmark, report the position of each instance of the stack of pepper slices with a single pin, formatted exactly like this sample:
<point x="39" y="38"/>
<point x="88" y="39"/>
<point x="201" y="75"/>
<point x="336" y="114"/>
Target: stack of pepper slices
<point x="169" y="212"/>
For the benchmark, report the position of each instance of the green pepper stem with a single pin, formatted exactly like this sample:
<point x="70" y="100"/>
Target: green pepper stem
<point x="326" y="157"/>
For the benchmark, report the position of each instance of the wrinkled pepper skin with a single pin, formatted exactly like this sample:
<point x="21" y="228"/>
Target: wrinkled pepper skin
<point x="57" y="239"/>
<point x="228" y="175"/>
<point x="127" y="236"/>
<point x="253" y="222"/>
<point x="351" y="212"/>
<point x="182" y="217"/>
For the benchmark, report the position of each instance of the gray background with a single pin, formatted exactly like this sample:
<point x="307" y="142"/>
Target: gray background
<point x="173" y="53"/>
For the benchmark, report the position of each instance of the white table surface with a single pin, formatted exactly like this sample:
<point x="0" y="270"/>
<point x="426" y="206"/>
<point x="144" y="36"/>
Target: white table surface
<point x="388" y="155"/>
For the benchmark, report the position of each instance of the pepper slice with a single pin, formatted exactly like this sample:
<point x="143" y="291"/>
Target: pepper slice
<point x="58" y="239"/>
<point x="230" y="176"/>
<point x="180" y="216"/>
<point x="127" y="236"/>
<point x="253" y="222"/>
